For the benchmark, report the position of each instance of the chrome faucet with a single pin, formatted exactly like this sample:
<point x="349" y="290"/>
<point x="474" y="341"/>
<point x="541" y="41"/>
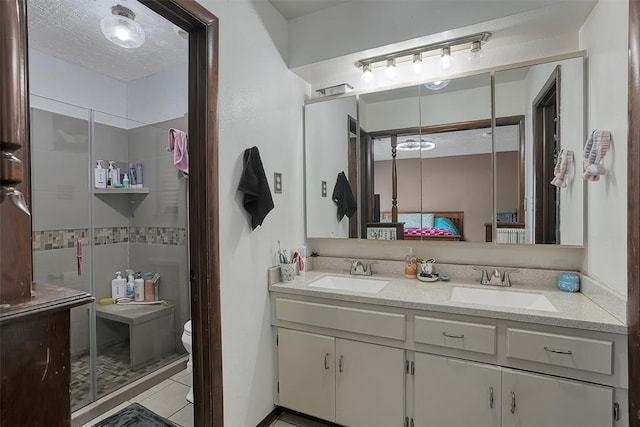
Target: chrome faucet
<point x="360" y="268"/>
<point x="495" y="277"/>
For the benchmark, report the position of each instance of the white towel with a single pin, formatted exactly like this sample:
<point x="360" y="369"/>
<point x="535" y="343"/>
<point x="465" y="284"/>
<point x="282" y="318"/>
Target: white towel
<point x="594" y="151"/>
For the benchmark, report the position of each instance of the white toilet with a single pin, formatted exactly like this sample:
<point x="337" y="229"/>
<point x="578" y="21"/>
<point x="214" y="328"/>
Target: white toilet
<point x="186" y="342"/>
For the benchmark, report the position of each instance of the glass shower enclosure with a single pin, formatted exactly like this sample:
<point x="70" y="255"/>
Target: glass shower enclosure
<point x="83" y="235"/>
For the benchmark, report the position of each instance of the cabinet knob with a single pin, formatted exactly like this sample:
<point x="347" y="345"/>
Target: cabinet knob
<point x="513" y="403"/>
<point x="340" y="363"/>
<point x="326" y="361"/>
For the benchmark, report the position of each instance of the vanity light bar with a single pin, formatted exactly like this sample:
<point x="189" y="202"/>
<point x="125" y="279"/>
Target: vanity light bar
<point x="465" y="40"/>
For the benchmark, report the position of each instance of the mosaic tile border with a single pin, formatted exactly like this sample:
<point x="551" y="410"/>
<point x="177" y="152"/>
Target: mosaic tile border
<point x="58" y="239"/>
<point x="66" y="239"/>
<point x="110" y="235"/>
<point x="172" y="236"/>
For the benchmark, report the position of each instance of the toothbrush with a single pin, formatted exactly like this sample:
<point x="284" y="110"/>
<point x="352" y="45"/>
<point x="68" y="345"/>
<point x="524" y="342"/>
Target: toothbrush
<point x="283" y="260"/>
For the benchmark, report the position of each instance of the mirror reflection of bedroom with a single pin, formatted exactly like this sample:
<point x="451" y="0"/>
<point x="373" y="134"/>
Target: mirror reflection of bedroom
<point x="436" y="162"/>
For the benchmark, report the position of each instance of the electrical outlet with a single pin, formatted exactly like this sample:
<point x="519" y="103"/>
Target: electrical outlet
<point x="324" y="188"/>
<point x="277" y="182"/>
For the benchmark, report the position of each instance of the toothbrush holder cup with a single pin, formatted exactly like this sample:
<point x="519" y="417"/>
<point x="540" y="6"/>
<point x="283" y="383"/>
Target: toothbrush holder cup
<point x="288" y="272"/>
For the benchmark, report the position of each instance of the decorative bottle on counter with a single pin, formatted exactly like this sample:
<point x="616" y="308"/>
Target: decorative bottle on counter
<point x="411" y="265"/>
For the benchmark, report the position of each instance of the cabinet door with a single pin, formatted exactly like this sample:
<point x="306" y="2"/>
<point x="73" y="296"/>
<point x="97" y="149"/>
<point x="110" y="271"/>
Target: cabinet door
<point x="306" y="373"/>
<point x="530" y="400"/>
<point x="455" y="393"/>
<point x="369" y="385"/>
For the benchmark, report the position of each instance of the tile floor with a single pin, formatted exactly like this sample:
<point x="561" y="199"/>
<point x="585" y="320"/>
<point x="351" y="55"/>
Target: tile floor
<point x="168" y="399"/>
<point x="113" y="372"/>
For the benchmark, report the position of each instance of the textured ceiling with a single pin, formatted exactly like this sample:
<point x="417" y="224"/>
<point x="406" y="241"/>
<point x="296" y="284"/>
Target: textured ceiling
<point x="292" y="9"/>
<point x="70" y="30"/>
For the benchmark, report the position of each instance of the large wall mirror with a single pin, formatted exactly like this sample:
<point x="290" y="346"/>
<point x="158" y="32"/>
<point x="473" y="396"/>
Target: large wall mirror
<point x="550" y="98"/>
<point x="432" y="164"/>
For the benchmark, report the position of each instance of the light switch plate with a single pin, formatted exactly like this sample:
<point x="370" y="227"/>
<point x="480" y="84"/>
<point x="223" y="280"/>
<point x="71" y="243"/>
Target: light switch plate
<point x="277" y="182"/>
<point x="324" y="188"/>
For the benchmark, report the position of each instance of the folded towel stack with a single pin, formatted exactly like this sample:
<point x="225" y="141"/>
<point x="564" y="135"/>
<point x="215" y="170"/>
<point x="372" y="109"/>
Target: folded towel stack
<point x="563" y="166"/>
<point x="594" y="152"/>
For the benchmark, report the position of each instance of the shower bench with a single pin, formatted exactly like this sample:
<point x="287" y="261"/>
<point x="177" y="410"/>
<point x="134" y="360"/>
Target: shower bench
<point x="151" y="330"/>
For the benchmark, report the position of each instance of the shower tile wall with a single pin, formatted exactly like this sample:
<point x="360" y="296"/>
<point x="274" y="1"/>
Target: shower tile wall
<point x="158" y="233"/>
<point x="154" y="239"/>
<point x="60" y="208"/>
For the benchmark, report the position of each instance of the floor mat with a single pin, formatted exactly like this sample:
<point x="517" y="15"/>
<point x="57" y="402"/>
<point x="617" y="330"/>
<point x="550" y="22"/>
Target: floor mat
<point x="135" y="415"/>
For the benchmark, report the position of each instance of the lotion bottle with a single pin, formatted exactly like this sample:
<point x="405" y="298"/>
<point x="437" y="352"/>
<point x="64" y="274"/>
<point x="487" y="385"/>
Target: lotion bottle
<point x="100" y="175"/>
<point x="118" y="286"/>
<point x="139" y="287"/>
<point x="125" y="181"/>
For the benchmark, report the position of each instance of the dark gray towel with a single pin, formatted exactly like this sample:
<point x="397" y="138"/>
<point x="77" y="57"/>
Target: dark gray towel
<point x="253" y="183"/>
<point x="343" y="197"/>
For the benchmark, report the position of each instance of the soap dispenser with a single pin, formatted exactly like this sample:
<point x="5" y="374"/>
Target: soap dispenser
<point x="100" y="175"/>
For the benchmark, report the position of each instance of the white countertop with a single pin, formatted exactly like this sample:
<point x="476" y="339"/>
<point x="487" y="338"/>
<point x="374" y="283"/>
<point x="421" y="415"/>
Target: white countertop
<point x="575" y="310"/>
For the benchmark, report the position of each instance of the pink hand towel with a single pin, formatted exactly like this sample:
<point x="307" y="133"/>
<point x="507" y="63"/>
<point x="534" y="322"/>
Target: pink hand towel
<point x="178" y="144"/>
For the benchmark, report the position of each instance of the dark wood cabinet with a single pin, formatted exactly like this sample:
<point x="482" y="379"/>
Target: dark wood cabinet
<point x="35" y="362"/>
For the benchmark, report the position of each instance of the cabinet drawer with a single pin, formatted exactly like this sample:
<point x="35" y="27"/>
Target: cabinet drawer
<point x="376" y="323"/>
<point x="462" y="335"/>
<point x="561" y="350"/>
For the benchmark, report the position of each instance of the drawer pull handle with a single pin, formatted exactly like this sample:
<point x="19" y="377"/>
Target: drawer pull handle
<point x="491" y="397"/>
<point x="340" y="364"/>
<point x="326" y="361"/>
<point x="555" y="350"/>
<point x="513" y="403"/>
<point x="453" y="335"/>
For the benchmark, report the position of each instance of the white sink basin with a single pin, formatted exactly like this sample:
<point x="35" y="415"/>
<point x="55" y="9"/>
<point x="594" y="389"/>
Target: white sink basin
<point x="358" y="284"/>
<point x="501" y="298"/>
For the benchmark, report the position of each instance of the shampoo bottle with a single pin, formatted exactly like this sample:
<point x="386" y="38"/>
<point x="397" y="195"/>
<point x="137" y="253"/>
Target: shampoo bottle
<point x="411" y="265"/>
<point x="130" y="284"/>
<point x="118" y="287"/>
<point x="139" y="180"/>
<point x="139" y="287"/>
<point x="100" y="175"/>
<point x="110" y="173"/>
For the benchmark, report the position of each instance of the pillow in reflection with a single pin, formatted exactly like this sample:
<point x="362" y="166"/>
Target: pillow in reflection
<point x="447" y="224"/>
<point x="428" y="220"/>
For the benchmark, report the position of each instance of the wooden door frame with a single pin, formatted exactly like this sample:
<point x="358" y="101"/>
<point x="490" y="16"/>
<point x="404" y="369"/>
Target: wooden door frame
<point x="543" y="223"/>
<point x="202" y="27"/>
<point x="633" y="215"/>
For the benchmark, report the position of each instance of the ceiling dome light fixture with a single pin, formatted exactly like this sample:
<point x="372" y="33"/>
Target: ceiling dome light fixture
<point x="391" y="70"/>
<point x="475" y="53"/>
<point x="411" y="144"/>
<point x="437" y="85"/>
<point x="122" y="29"/>
<point x="445" y="58"/>
<point x="417" y="63"/>
<point x="367" y="74"/>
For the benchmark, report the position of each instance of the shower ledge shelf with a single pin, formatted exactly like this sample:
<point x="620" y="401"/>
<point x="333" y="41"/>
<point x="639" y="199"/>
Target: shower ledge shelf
<point x="144" y="190"/>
